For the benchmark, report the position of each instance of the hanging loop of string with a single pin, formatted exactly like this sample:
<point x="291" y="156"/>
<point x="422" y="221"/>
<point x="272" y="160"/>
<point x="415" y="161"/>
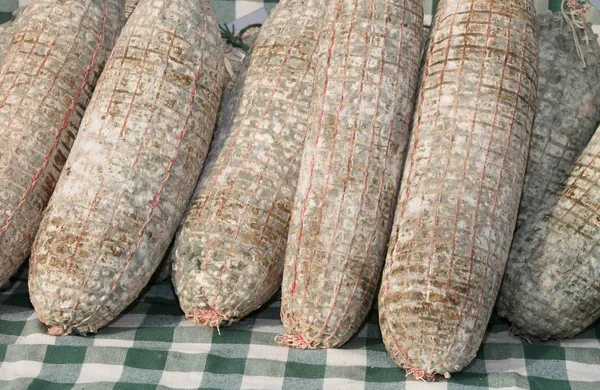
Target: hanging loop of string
<point x="574" y="14"/>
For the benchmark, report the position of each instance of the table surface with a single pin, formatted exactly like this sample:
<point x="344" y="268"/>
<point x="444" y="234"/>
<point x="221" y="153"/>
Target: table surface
<point x="152" y="346"/>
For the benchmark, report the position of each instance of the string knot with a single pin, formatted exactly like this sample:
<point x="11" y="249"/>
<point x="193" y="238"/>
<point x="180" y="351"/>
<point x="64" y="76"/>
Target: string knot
<point x="295" y="341"/>
<point x="574" y="13"/>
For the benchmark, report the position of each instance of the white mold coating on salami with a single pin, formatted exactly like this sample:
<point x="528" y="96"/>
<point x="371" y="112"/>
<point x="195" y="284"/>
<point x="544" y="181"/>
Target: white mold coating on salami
<point x="130" y="7"/>
<point x="548" y="287"/>
<point x="552" y="284"/>
<point x="567" y="115"/>
<point x="133" y="167"/>
<point x="6" y="32"/>
<point x="461" y="185"/>
<point x="46" y="80"/>
<point x="238" y="60"/>
<point x="366" y="80"/>
<point x="228" y="255"/>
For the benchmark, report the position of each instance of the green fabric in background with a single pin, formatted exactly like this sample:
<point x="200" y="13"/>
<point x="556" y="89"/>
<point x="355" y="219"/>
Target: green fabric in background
<point x="5" y="17"/>
<point x="224" y="9"/>
<point x="152" y="346"/>
<point x="555" y="5"/>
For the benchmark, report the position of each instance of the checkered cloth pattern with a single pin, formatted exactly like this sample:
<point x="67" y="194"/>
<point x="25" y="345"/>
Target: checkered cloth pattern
<point x="152" y="346"/>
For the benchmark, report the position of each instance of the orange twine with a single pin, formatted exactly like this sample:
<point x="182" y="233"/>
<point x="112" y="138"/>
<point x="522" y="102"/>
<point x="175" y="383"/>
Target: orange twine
<point x="295" y="341"/>
<point x="207" y="317"/>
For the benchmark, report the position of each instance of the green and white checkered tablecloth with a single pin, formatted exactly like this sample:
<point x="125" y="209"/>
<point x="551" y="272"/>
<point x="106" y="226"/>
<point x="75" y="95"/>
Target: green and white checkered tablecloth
<point x="152" y="346"/>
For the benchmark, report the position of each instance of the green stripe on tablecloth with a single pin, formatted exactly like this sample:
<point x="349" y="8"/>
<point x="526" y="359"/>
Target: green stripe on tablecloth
<point x="152" y="345"/>
<point x="5" y="17"/>
<point x="39" y="384"/>
<point x="554" y="5"/>
<point x="224" y="10"/>
<point x="269" y="4"/>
